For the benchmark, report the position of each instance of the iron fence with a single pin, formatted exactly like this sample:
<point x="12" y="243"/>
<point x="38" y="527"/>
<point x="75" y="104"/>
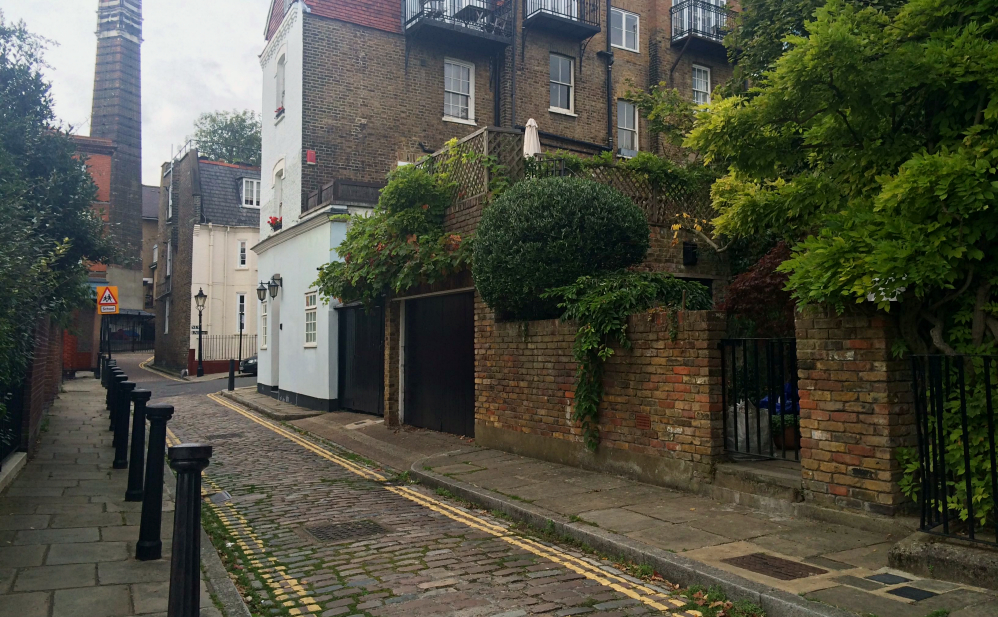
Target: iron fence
<point x="489" y="17"/>
<point x="225" y="346"/>
<point x="760" y="398"/>
<point x="699" y="18"/>
<point x="954" y="472"/>
<point x="11" y="421"/>
<point x="583" y="11"/>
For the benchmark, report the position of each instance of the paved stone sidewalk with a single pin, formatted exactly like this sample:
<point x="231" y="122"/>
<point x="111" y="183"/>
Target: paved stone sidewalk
<point x="67" y="537"/>
<point x="839" y="558"/>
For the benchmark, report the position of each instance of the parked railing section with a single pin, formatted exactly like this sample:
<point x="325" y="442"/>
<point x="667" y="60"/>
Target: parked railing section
<point x="954" y="473"/>
<point x="760" y="398"/>
<point x="226" y="346"/>
<point x="492" y="17"/>
<point x="699" y="18"/>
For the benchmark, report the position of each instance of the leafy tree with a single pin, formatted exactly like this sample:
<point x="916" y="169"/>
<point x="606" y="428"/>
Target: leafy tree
<point x="49" y="231"/>
<point x="871" y="146"/>
<point x="230" y="136"/>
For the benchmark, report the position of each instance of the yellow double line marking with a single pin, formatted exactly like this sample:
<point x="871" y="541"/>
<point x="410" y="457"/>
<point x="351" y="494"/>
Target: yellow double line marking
<point x="647" y="595"/>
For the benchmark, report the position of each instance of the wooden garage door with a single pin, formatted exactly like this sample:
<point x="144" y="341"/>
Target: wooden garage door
<point x="440" y="363"/>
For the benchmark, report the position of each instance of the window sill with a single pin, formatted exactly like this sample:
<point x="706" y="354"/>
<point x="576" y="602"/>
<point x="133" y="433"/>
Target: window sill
<point x="459" y="121"/>
<point x="621" y="47"/>
<point x="264" y="348"/>
<point x="251" y="207"/>
<point x="242" y="267"/>
<point x="563" y="112"/>
<point x="279" y="119"/>
<point x="311" y="345"/>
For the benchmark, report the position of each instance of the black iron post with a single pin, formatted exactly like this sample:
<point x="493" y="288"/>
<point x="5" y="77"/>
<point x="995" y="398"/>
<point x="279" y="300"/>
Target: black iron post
<point x="241" y="319"/>
<point x="232" y="375"/>
<point x="109" y="366"/>
<point x="121" y="425"/>
<point x="200" y="355"/>
<point x="118" y="377"/>
<point x="138" y="453"/>
<point x="150" y="545"/>
<point x="188" y="460"/>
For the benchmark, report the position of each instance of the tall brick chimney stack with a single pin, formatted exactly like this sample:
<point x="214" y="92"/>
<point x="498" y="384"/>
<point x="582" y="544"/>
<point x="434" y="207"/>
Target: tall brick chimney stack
<point x="117" y="115"/>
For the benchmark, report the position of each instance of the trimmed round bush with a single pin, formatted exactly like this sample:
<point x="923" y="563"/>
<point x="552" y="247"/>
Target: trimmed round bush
<point x="547" y="232"/>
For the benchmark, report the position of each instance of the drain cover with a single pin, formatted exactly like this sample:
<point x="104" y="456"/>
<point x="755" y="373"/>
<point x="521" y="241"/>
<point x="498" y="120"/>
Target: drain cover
<point x="340" y="532"/>
<point x="222" y="436"/>
<point x="782" y="569"/>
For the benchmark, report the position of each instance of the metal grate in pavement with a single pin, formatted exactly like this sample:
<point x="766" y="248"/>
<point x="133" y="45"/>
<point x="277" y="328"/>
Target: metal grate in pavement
<point x="775" y="567"/>
<point x="341" y="532"/>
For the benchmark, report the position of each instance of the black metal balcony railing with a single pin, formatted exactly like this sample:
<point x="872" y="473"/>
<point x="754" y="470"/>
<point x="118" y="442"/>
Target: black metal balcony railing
<point x="488" y="19"/>
<point x="571" y="17"/>
<point x="699" y="18"/>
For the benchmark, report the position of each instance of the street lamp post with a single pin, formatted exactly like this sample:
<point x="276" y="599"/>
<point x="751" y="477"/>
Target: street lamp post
<point x="200" y="299"/>
<point x="241" y="319"/>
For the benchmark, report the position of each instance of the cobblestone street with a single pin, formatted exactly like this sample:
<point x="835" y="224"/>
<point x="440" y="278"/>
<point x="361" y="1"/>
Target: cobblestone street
<point x="314" y="530"/>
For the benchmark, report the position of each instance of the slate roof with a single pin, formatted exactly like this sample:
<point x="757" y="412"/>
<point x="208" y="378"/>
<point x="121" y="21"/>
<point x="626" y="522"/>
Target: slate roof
<point x="221" y="184"/>
<point x="150" y="202"/>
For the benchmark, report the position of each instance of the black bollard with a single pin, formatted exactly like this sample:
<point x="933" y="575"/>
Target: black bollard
<point x="106" y="382"/>
<point x="121" y="425"/>
<point x="138" y="451"/>
<point x="150" y="545"/>
<point x="188" y="460"/>
<point x="232" y="375"/>
<point x="118" y="378"/>
<point x="98" y="367"/>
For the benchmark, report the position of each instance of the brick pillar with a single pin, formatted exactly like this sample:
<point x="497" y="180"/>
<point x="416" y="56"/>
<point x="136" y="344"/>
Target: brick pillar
<point x="855" y="400"/>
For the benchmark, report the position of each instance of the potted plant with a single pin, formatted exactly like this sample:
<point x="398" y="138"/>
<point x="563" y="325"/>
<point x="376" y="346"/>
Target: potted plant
<point x="785" y="431"/>
<point x="275" y="223"/>
<point x="279" y="112"/>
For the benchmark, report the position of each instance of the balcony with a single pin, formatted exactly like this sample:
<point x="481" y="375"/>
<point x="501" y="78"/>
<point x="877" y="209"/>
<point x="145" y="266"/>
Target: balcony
<point x="343" y="193"/>
<point x="699" y="19"/>
<point x="576" y="19"/>
<point x="483" y="21"/>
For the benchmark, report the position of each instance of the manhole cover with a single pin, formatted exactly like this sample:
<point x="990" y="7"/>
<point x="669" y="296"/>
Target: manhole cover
<point x="782" y="569"/>
<point x="340" y="532"/>
<point x="222" y="436"/>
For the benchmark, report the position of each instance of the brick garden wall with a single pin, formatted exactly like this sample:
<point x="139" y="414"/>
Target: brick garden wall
<point x="661" y="414"/>
<point x="856" y="410"/>
<point x="41" y="384"/>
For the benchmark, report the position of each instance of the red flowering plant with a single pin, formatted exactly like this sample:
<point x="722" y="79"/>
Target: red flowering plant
<point x="275" y="222"/>
<point x="400" y="245"/>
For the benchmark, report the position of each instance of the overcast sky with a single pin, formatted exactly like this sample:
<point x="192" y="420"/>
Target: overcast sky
<point x="198" y="55"/>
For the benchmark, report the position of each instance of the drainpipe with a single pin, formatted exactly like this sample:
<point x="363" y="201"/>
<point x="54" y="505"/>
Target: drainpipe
<point x="211" y="277"/>
<point x="609" y="81"/>
<point x="512" y="112"/>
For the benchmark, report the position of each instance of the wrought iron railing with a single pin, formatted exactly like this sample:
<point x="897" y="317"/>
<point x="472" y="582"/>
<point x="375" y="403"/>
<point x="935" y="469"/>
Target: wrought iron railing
<point x="954" y="472"/>
<point x="759" y="397"/>
<point x="11" y="421"/>
<point x="582" y="11"/>
<point x="225" y="346"/>
<point x="489" y="17"/>
<point x="699" y="18"/>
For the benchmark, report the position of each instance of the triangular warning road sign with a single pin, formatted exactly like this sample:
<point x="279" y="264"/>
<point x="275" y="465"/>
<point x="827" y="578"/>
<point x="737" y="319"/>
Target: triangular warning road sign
<point x="107" y="298"/>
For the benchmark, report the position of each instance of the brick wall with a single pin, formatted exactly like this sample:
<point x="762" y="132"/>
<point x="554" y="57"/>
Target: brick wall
<point x="856" y="410"/>
<point x="41" y="384"/>
<point x="661" y="414"/>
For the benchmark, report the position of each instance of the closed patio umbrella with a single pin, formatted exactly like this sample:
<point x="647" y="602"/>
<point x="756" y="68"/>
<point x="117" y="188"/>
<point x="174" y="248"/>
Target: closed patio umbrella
<point x="531" y="140"/>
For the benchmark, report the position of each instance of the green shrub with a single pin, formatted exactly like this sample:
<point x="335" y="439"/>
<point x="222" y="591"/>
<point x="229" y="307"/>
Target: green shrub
<point x="546" y="233"/>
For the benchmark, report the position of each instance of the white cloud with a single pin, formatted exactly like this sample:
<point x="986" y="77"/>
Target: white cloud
<point x="198" y="56"/>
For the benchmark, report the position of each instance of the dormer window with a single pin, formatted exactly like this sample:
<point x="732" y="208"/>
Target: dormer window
<point x="251" y="193"/>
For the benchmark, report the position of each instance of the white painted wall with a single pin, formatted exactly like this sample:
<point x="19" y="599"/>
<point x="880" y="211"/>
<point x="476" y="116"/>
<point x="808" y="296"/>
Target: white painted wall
<point x="216" y="270"/>
<point x="286" y="361"/>
<point x="282" y="139"/>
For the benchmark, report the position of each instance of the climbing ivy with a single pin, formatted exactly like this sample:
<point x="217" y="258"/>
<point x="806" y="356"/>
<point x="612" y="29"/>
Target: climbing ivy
<point x="601" y="305"/>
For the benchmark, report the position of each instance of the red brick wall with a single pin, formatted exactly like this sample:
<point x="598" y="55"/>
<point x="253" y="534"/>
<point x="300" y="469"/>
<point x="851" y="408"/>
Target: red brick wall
<point x="662" y="397"/>
<point x="41" y="385"/>
<point x="856" y="410"/>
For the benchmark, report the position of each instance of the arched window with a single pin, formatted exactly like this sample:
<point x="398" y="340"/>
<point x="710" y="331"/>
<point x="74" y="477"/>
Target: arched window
<point x="281" y="64"/>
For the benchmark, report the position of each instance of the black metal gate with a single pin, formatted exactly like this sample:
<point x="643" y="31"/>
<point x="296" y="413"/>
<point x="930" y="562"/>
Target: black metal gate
<point x="362" y="359"/>
<point x="954" y="472"/>
<point x="760" y="398"/>
<point x="11" y="421"/>
<point x="440" y="363"/>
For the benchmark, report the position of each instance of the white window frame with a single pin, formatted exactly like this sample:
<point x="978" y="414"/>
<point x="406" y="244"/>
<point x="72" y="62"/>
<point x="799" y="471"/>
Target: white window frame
<point x="263" y="324"/>
<point x="624" y="15"/>
<point x="470" y="120"/>
<point x="706" y="93"/>
<point x="280" y="82"/>
<point x="254" y="193"/>
<point x="169" y="200"/>
<point x="242" y="256"/>
<point x="155" y="253"/>
<point x="635" y="129"/>
<point x="571" y="86"/>
<point x="169" y="258"/>
<point x="166" y="317"/>
<point x="240" y="302"/>
<point x="312" y="318"/>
